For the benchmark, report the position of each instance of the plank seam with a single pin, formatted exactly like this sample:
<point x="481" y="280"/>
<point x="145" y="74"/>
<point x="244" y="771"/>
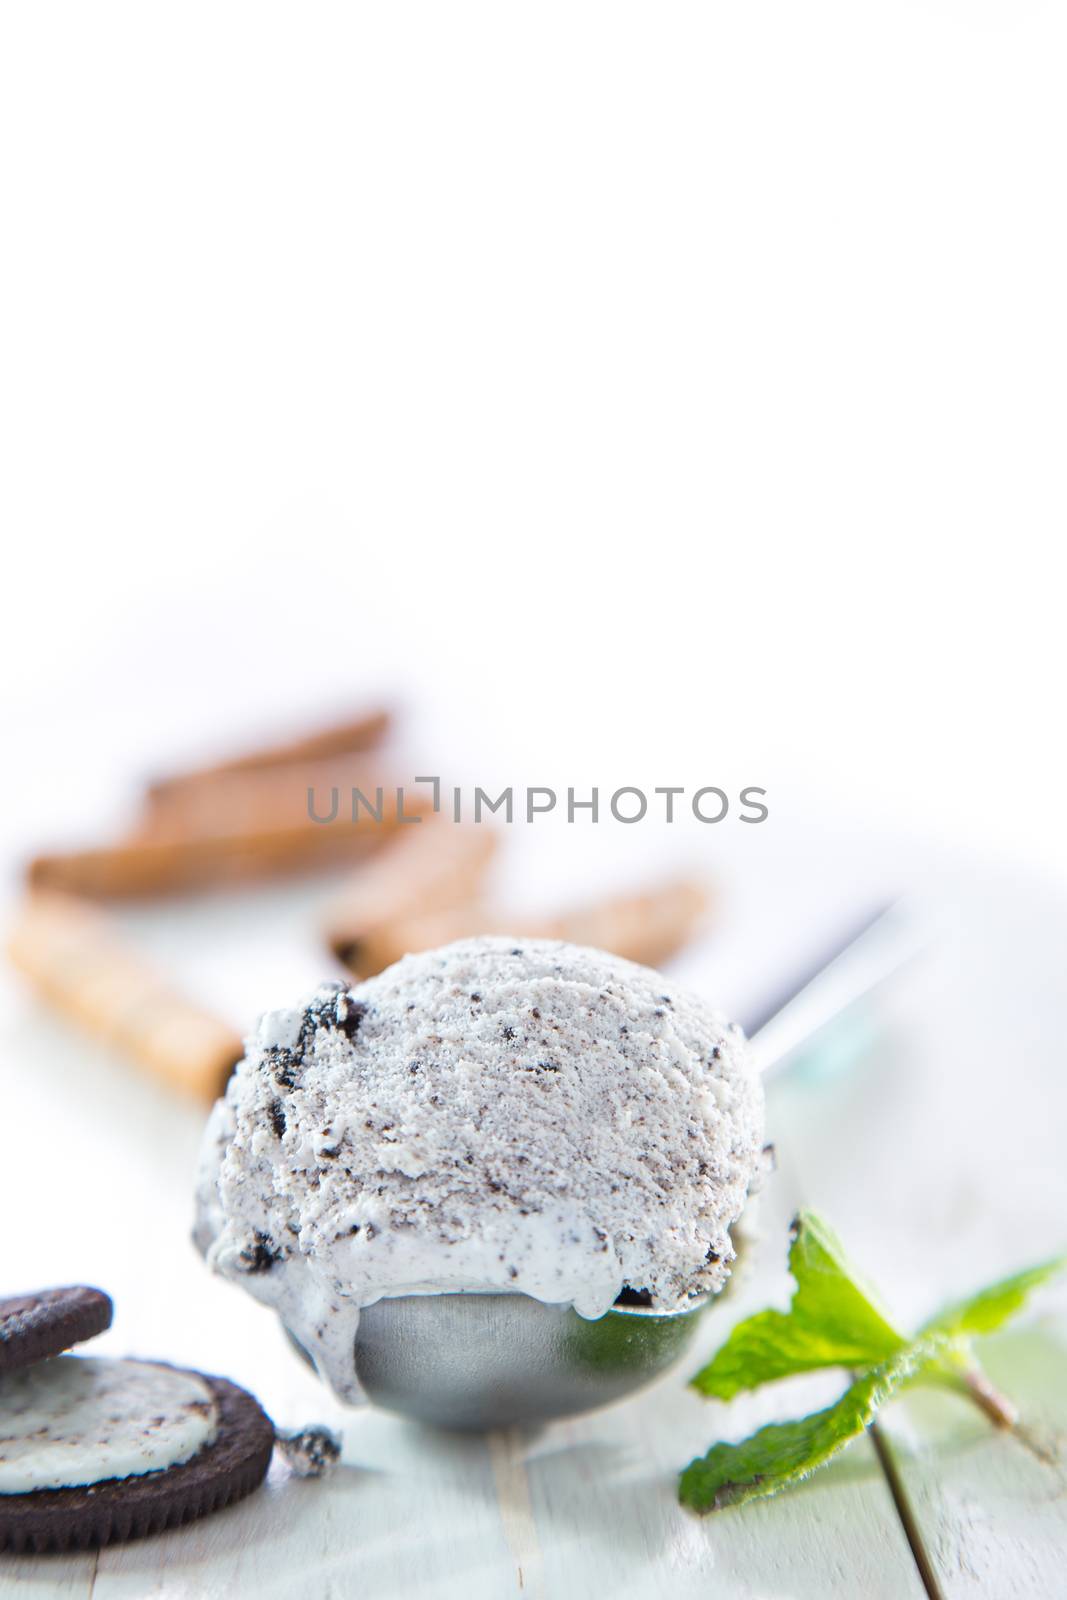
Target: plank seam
<point x="908" y="1520"/>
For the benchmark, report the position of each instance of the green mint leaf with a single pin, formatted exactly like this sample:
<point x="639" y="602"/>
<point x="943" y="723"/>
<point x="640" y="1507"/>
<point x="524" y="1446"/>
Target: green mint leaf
<point x="834" y="1321"/>
<point x="990" y="1308"/>
<point x="783" y="1453"/>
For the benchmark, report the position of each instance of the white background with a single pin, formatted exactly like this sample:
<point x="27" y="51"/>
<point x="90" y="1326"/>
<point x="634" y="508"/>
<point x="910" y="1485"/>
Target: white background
<point x="640" y="394"/>
<point x="662" y="394"/>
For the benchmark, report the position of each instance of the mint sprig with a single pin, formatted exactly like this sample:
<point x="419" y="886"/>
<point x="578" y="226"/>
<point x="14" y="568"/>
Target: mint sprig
<point x="835" y="1320"/>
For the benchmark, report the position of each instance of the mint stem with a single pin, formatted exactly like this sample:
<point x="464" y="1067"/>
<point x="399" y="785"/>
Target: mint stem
<point x="997" y="1407"/>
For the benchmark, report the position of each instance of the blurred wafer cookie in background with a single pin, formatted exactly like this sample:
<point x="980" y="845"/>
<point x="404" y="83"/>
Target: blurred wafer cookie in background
<point x="333" y="799"/>
<point x="241" y="819"/>
<point x="356" y="735"/>
<point x="647" y="926"/>
<point x="80" y="963"/>
<point x="421" y="871"/>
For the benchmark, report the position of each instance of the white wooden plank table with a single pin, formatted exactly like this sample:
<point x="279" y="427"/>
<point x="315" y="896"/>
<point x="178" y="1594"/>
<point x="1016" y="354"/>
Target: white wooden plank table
<point x="939" y="1160"/>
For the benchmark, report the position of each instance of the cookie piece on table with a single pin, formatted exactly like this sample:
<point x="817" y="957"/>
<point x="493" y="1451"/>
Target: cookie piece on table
<point x="310" y="1452"/>
<point x="36" y="1326"/>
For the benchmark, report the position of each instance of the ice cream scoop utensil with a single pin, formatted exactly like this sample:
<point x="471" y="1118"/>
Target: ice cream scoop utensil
<point x="476" y="1362"/>
<point x="846" y="973"/>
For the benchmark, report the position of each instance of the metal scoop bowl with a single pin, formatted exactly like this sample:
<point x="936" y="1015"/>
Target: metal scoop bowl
<point x="479" y="1361"/>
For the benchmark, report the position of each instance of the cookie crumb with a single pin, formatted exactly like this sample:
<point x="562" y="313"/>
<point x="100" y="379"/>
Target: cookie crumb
<point x="309" y="1452"/>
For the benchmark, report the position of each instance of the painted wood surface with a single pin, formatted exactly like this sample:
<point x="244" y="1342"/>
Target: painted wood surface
<point x="937" y="1154"/>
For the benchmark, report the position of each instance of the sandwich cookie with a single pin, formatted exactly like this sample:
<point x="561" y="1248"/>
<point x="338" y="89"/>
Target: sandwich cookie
<point x="97" y="1450"/>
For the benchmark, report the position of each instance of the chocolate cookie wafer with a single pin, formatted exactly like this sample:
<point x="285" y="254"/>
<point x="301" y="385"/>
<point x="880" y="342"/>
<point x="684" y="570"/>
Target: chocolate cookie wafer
<point x="36" y="1326"/>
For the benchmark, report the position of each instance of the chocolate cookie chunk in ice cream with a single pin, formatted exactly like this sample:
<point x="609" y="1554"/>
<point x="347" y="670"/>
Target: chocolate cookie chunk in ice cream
<point x="494" y="1115"/>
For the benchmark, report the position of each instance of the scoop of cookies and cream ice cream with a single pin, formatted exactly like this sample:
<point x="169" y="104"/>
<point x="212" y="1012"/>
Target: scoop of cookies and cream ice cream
<point x="494" y="1115"/>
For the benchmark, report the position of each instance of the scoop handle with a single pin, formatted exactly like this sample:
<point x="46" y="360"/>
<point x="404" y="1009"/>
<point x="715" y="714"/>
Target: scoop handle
<point x="854" y="966"/>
